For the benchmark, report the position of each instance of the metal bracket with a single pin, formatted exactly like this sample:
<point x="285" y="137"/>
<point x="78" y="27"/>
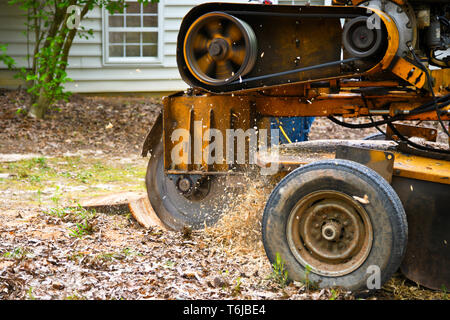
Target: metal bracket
<point x="380" y="161"/>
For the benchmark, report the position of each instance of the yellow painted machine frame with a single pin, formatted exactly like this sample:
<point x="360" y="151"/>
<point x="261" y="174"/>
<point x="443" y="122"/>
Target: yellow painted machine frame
<point x="392" y="86"/>
<point x="250" y="109"/>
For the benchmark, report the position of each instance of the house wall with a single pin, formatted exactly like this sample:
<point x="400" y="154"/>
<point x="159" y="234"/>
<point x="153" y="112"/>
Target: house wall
<point x="87" y="68"/>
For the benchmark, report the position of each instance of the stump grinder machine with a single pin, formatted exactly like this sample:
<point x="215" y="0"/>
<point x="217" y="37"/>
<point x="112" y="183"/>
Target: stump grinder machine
<point x="343" y="212"/>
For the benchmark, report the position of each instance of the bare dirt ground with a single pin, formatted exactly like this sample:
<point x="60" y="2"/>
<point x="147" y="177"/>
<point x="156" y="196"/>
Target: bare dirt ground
<point x="92" y="147"/>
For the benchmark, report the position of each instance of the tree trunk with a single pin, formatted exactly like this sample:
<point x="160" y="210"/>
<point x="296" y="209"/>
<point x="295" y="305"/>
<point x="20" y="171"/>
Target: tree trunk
<point x="40" y="107"/>
<point x="58" y="27"/>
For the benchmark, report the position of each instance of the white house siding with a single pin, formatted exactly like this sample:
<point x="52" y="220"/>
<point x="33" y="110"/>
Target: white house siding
<point x="87" y="68"/>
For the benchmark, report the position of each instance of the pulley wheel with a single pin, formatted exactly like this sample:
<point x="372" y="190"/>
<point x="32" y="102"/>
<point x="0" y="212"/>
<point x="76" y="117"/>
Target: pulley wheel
<point x="219" y="48"/>
<point x="361" y="41"/>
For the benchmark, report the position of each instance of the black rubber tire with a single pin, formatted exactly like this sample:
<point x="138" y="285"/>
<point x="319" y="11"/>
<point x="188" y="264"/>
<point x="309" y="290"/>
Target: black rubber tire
<point x="385" y="211"/>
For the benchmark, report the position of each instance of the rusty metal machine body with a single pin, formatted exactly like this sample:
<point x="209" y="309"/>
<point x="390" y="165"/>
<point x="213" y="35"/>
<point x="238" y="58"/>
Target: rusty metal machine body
<point x="248" y="62"/>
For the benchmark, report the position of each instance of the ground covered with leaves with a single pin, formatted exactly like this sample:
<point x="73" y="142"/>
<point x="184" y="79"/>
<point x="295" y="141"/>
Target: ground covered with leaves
<point x="51" y="248"/>
<point x="107" y="125"/>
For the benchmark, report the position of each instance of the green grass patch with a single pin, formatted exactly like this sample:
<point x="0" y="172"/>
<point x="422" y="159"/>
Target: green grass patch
<point x="279" y="273"/>
<point x="81" y="229"/>
<point x="74" y="214"/>
<point x="63" y="178"/>
<point x="17" y="253"/>
<point x="82" y="218"/>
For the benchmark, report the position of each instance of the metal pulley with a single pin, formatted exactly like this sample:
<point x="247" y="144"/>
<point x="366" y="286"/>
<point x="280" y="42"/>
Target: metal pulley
<point x="360" y="40"/>
<point x="219" y="48"/>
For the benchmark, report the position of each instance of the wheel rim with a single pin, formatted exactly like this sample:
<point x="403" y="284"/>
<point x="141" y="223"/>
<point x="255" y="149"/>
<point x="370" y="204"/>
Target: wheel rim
<point x="219" y="48"/>
<point x="329" y="232"/>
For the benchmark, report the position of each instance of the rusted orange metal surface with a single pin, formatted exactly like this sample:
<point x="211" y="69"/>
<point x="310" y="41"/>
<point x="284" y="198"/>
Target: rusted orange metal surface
<point x="343" y="104"/>
<point x="242" y="111"/>
<point x="330" y="91"/>
<point x="422" y="168"/>
<point x="407" y="166"/>
<point x="196" y="115"/>
<point x="187" y="128"/>
<point x="429" y="134"/>
<point x="393" y="40"/>
<point x="409" y="72"/>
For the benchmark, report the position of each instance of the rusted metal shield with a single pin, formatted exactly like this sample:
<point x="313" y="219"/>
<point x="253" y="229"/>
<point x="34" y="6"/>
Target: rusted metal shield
<point x="380" y="161"/>
<point x="427" y="258"/>
<point x="153" y="136"/>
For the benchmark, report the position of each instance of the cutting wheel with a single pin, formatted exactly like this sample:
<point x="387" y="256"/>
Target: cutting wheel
<point x="177" y="205"/>
<point x="219" y="48"/>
